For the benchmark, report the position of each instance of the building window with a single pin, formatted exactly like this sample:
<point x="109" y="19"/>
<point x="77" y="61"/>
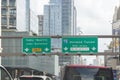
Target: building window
<point x="12" y="11"/>
<point x="4" y="21"/>
<point x="4" y="26"/>
<point x="12" y="21"/>
<point x="12" y="3"/>
<point x="4" y="11"/>
<point x="4" y="2"/>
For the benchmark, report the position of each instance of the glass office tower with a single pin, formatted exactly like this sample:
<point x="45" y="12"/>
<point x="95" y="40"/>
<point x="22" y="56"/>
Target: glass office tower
<point x="60" y="19"/>
<point x="8" y="14"/>
<point x="52" y="19"/>
<point x="67" y="17"/>
<point x="17" y="15"/>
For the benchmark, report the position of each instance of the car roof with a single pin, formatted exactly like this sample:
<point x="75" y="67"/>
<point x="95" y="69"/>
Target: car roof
<point x="86" y="66"/>
<point x="41" y="76"/>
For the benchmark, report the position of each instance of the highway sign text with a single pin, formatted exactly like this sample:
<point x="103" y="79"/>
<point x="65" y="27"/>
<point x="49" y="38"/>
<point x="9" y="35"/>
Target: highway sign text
<point x="36" y="45"/>
<point x="80" y="45"/>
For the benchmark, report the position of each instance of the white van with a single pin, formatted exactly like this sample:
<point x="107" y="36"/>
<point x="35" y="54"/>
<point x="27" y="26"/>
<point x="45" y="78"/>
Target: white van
<point x="34" y="77"/>
<point x="4" y="74"/>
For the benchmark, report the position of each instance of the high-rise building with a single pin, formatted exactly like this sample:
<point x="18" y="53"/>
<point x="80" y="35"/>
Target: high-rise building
<point x="116" y="29"/>
<point x="52" y="19"/>
<point x="51" y="27"/>
<point x="17" y="19"/>
<point x="12" y="11"/>
<point x="8" y="14"/>
<point x="0" y="32"/>
<point x="68" y="24"/>
<point x="74" y="21"/>
<point x="17" y="15"/>
<point x="115" y="46"/>
<point x="40" y="23"/>
<point x="14" y="45"/>
<point x="25" y="21"/>
<point x="68" y="17"/>
<point x="68" y="21"/>
<point x="60" y="19"/>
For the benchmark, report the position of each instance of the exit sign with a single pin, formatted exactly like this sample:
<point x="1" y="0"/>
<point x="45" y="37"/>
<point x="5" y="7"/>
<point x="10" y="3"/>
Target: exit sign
<point x="79" y="45"/>
<point x="36" y="45"/>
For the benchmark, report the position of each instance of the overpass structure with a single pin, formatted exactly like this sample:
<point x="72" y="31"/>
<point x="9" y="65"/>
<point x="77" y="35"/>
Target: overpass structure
<point x="61" y="53"/>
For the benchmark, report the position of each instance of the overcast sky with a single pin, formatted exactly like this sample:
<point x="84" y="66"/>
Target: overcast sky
<point x="94" y="17"/>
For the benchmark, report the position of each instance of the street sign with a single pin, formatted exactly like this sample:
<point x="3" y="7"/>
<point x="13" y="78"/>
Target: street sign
<point x="80" y="45"/>
<point x="36" y="45"/>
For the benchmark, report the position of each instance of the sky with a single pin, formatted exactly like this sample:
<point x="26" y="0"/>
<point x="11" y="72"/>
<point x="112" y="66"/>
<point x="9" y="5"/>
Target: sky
<point x="94" y="17"/>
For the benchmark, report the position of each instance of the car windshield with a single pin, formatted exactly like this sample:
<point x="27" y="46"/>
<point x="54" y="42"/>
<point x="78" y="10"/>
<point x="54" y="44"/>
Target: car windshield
<point x="31" y="78"/>
<point x="87" y="74"/>
<point x="4" y="74"/>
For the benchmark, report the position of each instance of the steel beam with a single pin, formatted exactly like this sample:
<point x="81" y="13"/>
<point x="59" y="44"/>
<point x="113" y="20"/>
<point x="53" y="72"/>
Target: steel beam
<point x="61" y="54"/>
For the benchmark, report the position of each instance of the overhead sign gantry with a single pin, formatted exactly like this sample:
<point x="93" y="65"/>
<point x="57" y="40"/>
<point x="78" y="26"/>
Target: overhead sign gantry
<point x="82" y="45"/>
<point x="62" y="53"/>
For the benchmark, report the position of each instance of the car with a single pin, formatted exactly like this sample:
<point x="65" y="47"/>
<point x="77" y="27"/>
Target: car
<point x="34" y="77"/>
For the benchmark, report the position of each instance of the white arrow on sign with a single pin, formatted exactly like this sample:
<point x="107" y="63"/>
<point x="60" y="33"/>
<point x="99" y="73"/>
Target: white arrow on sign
<point x="26" y="49"/>
<point x="93" y="48"/>
<point x="65" y="48"/>
<point x="46" y="49"/>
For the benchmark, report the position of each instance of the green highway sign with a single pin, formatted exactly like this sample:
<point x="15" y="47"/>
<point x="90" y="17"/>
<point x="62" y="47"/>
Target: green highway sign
<point x="80" y="45"/>
<point x="36" y="45"/>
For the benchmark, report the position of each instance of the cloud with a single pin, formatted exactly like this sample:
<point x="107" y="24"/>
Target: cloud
<point x="38" y="5"/>
<point x="95" y="15"/>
